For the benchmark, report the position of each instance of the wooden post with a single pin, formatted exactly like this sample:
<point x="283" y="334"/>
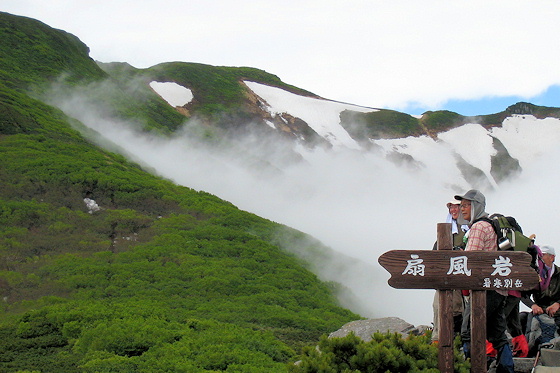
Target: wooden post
<point x="478" y="330"/>
<point x="445" y="341"/>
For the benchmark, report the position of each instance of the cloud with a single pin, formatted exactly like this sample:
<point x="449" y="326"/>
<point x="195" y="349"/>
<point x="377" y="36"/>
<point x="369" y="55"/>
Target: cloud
<point x="358" y="203"/>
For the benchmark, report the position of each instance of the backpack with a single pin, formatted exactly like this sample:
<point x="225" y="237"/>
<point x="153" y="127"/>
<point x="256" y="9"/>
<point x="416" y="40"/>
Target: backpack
<point x="510" y="235"/>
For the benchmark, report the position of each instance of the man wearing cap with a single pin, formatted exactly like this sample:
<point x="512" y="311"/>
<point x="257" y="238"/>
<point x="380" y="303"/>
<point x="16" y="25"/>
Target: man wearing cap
<point x="547" y="298"/>
<point x="482" y="236"/>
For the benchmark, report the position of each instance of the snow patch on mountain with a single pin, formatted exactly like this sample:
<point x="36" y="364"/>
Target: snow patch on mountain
<point x="524" y="136"/>
<point x="173" y="93"/>
<point x="323" y="116"/>
<point x="474" y="144"/>
<point x="527" y="138"/>
<point x="429" y="154"/>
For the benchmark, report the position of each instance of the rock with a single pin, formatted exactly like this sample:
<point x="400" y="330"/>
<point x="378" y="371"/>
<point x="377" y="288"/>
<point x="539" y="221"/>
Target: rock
<point x="522" y="364"/>
<point x="91" y="205"/>
<point x="365" y="328"/>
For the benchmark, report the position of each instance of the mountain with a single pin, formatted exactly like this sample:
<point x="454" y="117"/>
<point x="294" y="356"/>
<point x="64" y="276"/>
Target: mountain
<point x="199" y="172"/>
<point x="104" y="266"/>
<point x="240" y="103"/>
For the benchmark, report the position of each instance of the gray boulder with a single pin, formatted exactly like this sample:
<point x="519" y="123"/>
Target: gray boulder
<point x="365" y="328"/>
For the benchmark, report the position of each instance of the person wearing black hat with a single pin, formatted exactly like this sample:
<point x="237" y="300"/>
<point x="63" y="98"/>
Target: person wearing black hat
<point x="482" y="236"/>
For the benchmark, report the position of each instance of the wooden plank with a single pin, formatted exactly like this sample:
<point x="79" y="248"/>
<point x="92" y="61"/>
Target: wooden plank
<point x="456" y="269"/>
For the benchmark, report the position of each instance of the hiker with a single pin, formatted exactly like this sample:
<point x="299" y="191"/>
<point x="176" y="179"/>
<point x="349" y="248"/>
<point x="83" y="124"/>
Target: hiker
<point x="513" y="323"/>
<point x="458" y="230"/>
<point x="481" y="236"/>
<point x="546" y="296"/>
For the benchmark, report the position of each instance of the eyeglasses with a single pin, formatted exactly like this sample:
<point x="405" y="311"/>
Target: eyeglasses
<point x="465" y="205"/>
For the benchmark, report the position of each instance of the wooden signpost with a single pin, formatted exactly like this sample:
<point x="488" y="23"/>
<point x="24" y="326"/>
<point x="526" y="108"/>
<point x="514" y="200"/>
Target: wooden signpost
<point x="444" y="270"/>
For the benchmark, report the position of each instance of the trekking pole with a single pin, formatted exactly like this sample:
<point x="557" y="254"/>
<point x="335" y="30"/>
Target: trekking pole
<point x="536" y="360"/>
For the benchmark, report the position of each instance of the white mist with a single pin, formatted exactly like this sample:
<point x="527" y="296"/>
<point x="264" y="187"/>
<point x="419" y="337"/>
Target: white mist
<point x="358" y="203"/>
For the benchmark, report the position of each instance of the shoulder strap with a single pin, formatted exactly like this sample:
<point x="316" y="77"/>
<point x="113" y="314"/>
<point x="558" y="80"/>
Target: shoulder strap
<point x="488" y="220"/>
<point x="495" y="225"/>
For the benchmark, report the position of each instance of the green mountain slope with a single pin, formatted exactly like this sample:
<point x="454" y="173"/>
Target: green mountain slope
<point x="162" y="278"/>
<point x="32" y="52"/>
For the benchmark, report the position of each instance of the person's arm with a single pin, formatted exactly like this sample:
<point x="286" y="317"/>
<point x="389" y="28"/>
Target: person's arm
<point x="555" y="289"/>
<point x="526" y="300"/>
<point x="535" y="308"/>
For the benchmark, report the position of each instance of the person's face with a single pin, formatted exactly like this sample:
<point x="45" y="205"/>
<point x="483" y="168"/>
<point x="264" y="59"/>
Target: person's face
<point x="548" y="259"/>
<point x="454" y="211"/>
<point x="466" y="209"/>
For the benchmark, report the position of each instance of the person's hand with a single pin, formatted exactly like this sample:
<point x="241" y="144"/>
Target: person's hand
<point x="537" y="310"/>
<point x="551" y="310"/>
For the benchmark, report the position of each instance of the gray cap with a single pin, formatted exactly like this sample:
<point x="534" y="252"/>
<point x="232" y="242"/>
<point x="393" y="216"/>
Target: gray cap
<point x="473" y="195"/>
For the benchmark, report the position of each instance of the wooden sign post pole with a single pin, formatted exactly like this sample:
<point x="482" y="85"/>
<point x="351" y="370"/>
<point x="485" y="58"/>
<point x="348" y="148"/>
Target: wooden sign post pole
<point x="478" y="330"/>
<point x="446" y="270"/>
<point x="445" y="316"/>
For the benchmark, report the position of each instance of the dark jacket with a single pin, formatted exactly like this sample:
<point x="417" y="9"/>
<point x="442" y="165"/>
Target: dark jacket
<point x="548" y="296"/>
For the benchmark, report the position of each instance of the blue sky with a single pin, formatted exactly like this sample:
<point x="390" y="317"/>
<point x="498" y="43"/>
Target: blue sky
<point x="491" y="105"/>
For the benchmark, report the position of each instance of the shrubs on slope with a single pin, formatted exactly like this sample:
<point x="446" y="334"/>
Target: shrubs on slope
<point x="156" y="255"/>
<point x="33" y="52"/>
<point x="379" y="124"/>
<point x="388" y="352"/>
<point x="161" y="278"/>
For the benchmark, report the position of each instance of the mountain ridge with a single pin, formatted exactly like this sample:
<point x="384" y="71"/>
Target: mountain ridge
<point x="222" y="100"/>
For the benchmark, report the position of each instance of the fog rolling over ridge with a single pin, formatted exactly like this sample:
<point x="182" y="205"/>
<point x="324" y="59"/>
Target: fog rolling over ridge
<point x="354" y="201"/>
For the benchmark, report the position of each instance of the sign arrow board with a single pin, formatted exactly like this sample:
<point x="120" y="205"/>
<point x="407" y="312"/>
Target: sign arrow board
<point x="455" y="269"/>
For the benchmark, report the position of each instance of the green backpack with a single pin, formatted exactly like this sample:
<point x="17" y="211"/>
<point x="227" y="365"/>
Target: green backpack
<point x="510" y="235"/>
<point x="509" y="232"/>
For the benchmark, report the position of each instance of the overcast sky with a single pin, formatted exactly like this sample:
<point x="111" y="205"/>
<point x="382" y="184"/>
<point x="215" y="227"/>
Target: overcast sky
<point x="473" y="57"/>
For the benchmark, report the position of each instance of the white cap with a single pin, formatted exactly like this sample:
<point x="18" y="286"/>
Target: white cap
<point x="545" y="249"/>
<point x="453" y="202"/>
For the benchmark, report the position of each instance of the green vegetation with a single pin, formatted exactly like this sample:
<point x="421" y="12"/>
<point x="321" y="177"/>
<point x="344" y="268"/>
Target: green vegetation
<point x="442" y="120"/>
<point x="218" y="92"/>
<point x="216" y="89"/>
<point x="160" y="271"/>
<point x="520" y="108"/>
<point x="162" y="278"/>
<point x="32" y="52"/>
<point x="379" y="124"/>
<point x="388" y="352"/>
